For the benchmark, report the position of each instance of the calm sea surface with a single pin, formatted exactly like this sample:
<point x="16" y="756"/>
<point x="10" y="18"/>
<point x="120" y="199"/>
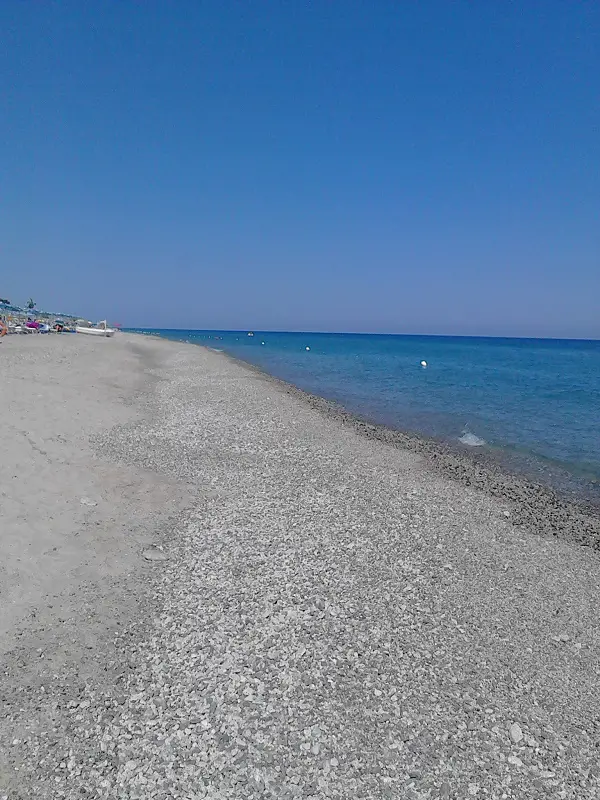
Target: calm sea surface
<point x="532" y="402"/>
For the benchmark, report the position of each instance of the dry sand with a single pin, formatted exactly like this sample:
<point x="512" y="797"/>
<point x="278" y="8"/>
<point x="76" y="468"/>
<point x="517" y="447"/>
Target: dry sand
<point x="70" y="521"/>
<point x="329" y="617"/>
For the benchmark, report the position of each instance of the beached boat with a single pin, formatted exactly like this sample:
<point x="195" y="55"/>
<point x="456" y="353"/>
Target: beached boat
<point x="101" y="329"/>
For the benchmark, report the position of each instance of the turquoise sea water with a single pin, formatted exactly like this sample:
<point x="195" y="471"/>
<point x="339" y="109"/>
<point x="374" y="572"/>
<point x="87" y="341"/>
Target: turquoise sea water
<point x="532" y="402"/>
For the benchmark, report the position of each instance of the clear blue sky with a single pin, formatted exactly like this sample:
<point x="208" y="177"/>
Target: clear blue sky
<point x="429" y="167"/>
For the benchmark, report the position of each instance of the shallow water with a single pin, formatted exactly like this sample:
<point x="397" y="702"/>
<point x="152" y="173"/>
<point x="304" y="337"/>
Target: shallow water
<point x="535" y="402"/>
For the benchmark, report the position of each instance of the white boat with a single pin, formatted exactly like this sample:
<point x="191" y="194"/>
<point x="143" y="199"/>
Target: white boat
<point x="101" y="329"/>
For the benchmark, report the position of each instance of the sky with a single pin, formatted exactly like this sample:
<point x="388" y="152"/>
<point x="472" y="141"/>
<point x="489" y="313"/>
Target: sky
<point x="410" y="167"/>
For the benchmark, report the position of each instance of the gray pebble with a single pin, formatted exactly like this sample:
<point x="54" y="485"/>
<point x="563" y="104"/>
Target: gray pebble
<point x="154" y="554"/>
<point x="516" y="734"/>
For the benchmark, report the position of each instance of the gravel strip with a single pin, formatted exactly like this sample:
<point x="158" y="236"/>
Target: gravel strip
<point x="333" y="619"/>
<point x="565" y="513"/>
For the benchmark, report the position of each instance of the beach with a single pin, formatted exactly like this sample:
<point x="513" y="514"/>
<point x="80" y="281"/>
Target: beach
<point x="215" y="586"/>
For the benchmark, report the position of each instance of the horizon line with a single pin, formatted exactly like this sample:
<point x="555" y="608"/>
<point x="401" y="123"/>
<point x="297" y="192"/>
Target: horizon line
<point x="373" y="333"/>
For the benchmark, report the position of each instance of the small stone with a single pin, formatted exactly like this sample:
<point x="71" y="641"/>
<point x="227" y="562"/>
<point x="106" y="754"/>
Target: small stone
<point x="515" y="760"/>
<point x="154" y="554"/>
<point x="445" y="791"/>
<point x="516" y="734"/>
<point x="87" y="501"/>
<point x="415" y="774"/>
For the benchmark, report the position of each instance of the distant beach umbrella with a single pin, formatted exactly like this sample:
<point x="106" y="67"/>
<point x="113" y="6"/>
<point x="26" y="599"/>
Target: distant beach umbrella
<point x="8" y="307"/>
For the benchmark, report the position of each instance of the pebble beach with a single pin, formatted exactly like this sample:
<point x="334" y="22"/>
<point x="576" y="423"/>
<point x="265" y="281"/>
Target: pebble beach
<point x="214" y="586"/>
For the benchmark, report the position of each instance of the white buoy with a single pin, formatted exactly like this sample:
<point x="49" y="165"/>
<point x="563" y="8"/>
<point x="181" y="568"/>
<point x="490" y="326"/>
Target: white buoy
<point x="262" y="342"/>
<point x="423" y="363"/>
<point x="308" y="348"/>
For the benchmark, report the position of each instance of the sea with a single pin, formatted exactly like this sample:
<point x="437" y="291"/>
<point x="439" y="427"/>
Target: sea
<point x="532" y="404"/>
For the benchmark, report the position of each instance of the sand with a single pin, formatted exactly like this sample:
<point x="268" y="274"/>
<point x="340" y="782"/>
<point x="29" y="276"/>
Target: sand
<point x="211" y="588"/>
<point x="71" y="523"/>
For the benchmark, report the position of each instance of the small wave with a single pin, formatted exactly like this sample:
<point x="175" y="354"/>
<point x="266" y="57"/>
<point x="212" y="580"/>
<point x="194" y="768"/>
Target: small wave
<point x="471" y="440"/>
<point x="215" y="349"/>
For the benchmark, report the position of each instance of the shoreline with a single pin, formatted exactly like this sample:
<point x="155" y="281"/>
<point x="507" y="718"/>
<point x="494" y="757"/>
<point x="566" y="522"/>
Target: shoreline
<point x="575" y="483"/>
<point x="540" y="507"/>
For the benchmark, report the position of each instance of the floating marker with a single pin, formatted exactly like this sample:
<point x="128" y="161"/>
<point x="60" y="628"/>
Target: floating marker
<point x="262" y="342"/>
<point x="423" y="363"/>
<point x="308" y="348"/>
